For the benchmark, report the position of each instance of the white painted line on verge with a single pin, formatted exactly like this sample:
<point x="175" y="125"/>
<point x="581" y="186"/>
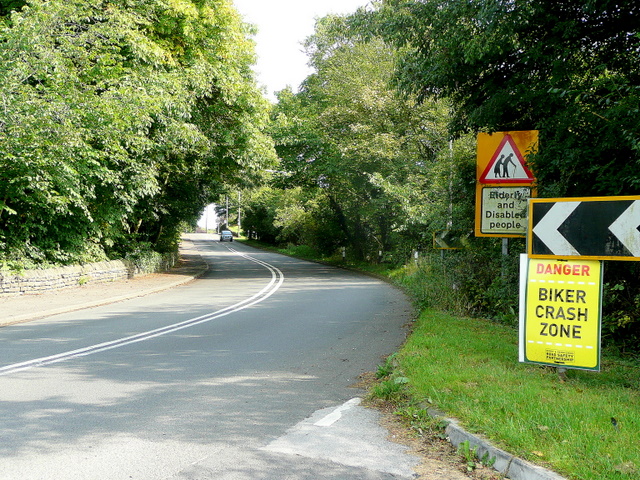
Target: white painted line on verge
<point x="277" y="279"/>
<point x="334" y="416"/>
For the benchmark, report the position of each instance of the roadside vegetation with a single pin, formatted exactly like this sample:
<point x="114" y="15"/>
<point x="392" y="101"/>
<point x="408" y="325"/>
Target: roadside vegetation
<point x="119" y="122"/>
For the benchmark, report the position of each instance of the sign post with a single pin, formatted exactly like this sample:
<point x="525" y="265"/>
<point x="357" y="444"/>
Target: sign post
<point x="560" y="312"/>
<point x="504" y="183"/>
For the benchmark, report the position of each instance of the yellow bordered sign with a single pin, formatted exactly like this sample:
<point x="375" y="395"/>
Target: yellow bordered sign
<point x="560" y="312"/>
<point x="600" y="228"/>
<point x="450" y="239"/>
<point x="504" y="183"/>
<point x="501" y="211"/>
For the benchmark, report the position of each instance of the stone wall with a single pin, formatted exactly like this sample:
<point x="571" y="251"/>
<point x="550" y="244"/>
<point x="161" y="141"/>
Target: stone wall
<point x="39" y="281"/>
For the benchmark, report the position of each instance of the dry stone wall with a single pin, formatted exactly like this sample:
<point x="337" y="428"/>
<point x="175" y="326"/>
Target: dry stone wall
<point x="40" y="281"/>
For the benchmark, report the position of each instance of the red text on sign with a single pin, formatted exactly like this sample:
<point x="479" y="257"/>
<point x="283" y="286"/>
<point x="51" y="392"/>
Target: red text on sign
<point x="562" y="269"/>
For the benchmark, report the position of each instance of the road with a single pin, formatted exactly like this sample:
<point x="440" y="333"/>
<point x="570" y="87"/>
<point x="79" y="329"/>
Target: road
<point x="245" y="373"/>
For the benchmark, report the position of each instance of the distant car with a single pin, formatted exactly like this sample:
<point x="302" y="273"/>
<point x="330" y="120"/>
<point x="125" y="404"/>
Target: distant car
<point x="226" y="235"/>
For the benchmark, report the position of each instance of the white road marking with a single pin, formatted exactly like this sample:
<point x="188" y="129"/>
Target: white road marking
<point x="347" y="435"/>
<point x="277" y="279"/>
<point x="334" y="416"/>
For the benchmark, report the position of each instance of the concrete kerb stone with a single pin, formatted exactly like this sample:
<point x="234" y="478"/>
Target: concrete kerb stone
<point x="510" y="466"/>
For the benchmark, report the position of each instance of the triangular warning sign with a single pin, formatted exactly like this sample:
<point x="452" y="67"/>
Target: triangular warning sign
<point x="507" y="165"/>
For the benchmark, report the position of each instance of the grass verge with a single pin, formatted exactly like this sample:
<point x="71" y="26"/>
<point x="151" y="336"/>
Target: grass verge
<point x="468" y="368"/>
<point x="308" y="253"/>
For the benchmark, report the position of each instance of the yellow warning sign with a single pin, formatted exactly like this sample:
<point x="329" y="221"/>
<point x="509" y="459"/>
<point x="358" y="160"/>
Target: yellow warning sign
<point x="560" y="312"/>
<point x="501" y="157"/>
<point x="504" y="182"/>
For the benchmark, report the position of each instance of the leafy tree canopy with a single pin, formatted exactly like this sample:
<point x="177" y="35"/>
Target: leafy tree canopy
<point x="121" y="119"/>
<point x="7" y="6"/>
<point x="372" y="154"/>
<point x="569" y="68"/>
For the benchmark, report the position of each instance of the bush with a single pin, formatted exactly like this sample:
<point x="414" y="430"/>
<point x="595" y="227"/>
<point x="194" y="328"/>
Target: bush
<point x="621" y="308"/>
<point x="145" y="260"/>
<point x="477" y="281"/>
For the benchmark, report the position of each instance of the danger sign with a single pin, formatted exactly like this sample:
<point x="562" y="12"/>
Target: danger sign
<point x="560" y="312"/>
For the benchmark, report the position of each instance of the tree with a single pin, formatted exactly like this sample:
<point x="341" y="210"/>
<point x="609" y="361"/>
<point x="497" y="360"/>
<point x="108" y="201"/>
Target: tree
<point x="7" y="6"/>
<point x="350" y="135"/>
<point x="570" y="69"/>
<point x="120" y="122"/>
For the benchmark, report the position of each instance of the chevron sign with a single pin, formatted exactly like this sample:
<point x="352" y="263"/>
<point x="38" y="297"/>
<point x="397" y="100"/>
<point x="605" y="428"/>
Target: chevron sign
<point x="603" y="228"/>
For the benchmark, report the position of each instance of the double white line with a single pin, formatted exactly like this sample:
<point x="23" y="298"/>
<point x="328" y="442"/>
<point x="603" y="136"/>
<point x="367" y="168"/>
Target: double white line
<point x="277" y="278"/>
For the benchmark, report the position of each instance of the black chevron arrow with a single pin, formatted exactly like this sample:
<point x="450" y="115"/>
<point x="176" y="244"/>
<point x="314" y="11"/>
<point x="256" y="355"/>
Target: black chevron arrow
<point x="595" y="228"/>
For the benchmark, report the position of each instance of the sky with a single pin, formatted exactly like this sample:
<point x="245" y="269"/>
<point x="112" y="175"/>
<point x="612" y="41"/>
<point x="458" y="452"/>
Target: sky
<point x="282" y="27"/>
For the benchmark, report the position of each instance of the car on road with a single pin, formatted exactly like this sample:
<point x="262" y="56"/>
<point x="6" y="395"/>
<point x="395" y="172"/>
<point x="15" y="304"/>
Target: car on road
<point x="226" y="236"/>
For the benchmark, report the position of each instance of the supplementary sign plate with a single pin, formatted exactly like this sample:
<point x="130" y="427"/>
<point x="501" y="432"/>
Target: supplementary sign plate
<point x="503" y="210"/>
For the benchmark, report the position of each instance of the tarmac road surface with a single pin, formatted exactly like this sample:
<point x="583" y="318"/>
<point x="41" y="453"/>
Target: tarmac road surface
<point x="244" y="373"/>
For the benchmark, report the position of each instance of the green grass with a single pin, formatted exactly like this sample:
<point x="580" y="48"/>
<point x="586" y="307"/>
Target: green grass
<point x="469" y="368"/>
